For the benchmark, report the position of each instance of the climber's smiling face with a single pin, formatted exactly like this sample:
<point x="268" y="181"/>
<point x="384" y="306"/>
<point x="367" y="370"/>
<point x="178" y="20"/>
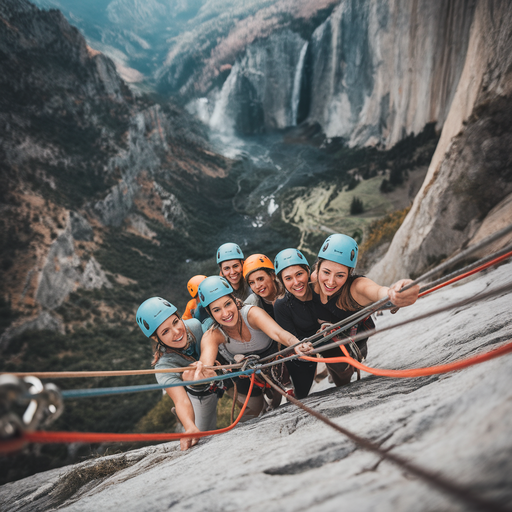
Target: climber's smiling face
<point x="172" y="332"/>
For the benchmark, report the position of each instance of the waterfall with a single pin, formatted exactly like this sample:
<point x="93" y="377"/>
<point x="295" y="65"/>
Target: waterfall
<point x="297" y="80"/>
<point x="221" y="119"/>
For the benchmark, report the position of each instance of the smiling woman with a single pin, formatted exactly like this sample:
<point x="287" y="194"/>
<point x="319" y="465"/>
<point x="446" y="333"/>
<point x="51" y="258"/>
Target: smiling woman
<point x="260" y="276"/>
<point x="177" y="343"/>
<point x="237" y="329"/>
<point x="339" y="292"/>
<point x="230" y="259"/>
<point x="295" y="312"/>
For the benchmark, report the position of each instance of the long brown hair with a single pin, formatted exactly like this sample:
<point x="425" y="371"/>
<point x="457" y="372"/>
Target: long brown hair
<point x="160" y="348"/>
<point x="243" y="290"/>
<point x="239" y="306"/>
<point x="280" y="289"/>
<point x="345" y="300"/>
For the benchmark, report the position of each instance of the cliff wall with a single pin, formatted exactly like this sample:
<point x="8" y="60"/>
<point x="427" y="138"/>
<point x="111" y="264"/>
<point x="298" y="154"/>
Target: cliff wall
<point x="470" y="175"/>
<point x="373" y="72"/>
<point x="80" y="154"/>
<point x="383" y="69"/>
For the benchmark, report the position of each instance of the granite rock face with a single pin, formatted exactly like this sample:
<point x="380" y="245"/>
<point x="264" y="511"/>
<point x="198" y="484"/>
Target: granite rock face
<point x="456" y="425"/>
<point x="81" y="229"/>
<point x="60" y="273"/>
<point x="381" y="70"/>
<point x="373" y="72"/>
<point x="470" y="173"/>
<point x="45" y="321"/>
<point x="63" y="273"/>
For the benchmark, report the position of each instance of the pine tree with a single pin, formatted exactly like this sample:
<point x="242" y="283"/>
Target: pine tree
<point x="356" y="206"/>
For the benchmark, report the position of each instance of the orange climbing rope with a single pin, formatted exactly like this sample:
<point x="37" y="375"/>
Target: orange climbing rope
<point x="414" y="372"/>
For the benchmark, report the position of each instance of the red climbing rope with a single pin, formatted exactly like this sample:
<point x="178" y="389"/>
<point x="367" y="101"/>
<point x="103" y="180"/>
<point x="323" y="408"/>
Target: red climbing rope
<point x="42" y="436"/>
<point x="463" y="493"/>
<point x="467" y="274"/>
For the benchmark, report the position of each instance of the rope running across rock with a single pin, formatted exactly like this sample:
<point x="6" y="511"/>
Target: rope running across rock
<point x="42" y="436"/>
<point x="462" y="493"/>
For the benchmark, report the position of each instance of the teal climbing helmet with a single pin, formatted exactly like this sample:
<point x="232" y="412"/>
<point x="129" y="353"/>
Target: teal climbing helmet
<point x="340" y="249"/>
<point x="213" y="288"/>
<point x="288" y="257"/>
<point x="152" y="313"/>
<point x="229" y="251"/>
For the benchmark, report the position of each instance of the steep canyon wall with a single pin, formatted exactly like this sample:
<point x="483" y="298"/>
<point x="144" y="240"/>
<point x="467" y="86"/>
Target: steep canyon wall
<point x="470" y="176"/>
<point x="383" y="69"/>
<point x="373" y="72"/>
<point x="80" y="156"/>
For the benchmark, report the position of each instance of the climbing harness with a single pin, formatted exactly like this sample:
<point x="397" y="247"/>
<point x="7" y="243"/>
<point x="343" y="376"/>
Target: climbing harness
<point x="350" y="343"/>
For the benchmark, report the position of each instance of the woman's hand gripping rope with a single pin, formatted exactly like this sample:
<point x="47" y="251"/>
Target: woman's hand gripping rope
<point x="303" y="348"/>
<point x="198" y="371"/>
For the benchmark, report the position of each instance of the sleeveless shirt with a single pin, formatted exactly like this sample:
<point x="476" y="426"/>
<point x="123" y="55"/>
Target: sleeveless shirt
<point x="258" y="343"/>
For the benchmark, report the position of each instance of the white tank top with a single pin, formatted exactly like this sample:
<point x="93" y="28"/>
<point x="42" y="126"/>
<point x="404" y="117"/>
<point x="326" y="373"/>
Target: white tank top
<point x="258" y="343"/>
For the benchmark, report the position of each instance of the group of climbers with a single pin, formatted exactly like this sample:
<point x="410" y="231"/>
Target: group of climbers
<point x="254" y="308"/>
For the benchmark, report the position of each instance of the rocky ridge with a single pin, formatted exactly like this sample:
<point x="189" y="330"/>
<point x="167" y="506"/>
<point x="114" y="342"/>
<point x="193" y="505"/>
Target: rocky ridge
<point x="372" y="72"/>
<point x="81" y="155"/>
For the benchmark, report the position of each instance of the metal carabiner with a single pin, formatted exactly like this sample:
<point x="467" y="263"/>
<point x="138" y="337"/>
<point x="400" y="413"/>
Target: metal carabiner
<point x="250" y="359"/>
<point x="44" y="404"/>
<point x="11" y="390"/>
<point x="45" y="407"/>
<point x="30" y="417"/>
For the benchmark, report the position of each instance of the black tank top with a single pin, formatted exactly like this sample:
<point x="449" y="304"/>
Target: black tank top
<point x="330" y="312"/>
<point x="295" y="316"/>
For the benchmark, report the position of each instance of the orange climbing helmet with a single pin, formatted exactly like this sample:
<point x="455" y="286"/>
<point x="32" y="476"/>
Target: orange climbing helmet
<point x="193" y="284"/>
<point x="256" y="262"/>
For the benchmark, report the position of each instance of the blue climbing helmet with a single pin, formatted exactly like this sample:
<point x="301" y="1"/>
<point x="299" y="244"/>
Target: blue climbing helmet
<point x="152" y="313"/>
<point x="340" y="249"/>
<point x="287" y="258"/>
<point x="229" y="251"/>
<point x="213" y="288"/>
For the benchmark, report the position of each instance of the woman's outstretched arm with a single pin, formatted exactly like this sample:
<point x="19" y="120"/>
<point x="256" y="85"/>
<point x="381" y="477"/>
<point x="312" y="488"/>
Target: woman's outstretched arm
<point x="260" y="319"/>
<point x="365" y="291"/>
<point x="210" y="346"/>
<point x="185" y="413"/>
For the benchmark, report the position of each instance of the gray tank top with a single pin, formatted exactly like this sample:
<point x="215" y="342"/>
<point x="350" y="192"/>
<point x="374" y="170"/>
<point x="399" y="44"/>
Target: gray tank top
<point x="258" y="343"/>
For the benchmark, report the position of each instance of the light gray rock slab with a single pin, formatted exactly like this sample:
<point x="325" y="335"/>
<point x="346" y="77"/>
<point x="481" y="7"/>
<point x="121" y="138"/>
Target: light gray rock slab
<point x="457" y="425"/>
